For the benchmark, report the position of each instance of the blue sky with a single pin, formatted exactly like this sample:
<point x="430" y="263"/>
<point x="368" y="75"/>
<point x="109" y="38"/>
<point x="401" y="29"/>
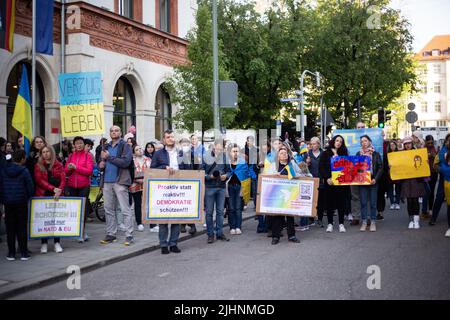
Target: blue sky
<point x="427" y="17"/>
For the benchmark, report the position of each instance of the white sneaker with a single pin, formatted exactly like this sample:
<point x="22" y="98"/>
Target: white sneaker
<point x="342" y="228"/>
<point x="141" y="228"/>
<point x="154" y="229"/>
<point x="392" y="207"/>
<point x="330" y="228"/>
<point x="397" y="207"/>
<point x="350" y="217"/>
<point x="204" y="225"/>
<point x="44" y="248"/>
<point x="245" y="208"/>
<point x="411" y="225"/>
<point x="58" y="248"/>
<point x="86" y="237"/>
<point x="447" y="234"/>
<point x="420" y="200"/>
<point x="416" y="222"/>
<point x="238" y="231"/>
<point x="122" y="227"/>
<point x="232" y="231"/>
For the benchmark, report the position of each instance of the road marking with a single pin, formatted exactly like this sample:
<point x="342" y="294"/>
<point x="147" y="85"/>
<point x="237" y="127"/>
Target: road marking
<point x="165" y="274"/>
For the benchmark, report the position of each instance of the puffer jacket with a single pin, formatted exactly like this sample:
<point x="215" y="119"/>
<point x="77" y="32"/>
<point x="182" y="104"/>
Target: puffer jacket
<point x="80" y="177"/>
<point x="16" y="185"/>
<point x="41" y="179"/>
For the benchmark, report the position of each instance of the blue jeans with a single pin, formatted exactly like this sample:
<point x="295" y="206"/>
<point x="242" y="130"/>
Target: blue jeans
<point x="235" y="214"/>
<point x="254" y="190"/>
<point x="214" y="196"/>
<point x="164" y="234"/>
<point x="368" y="194"/>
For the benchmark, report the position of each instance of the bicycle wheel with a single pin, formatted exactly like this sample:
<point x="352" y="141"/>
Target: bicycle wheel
<point x="99" y="208"/>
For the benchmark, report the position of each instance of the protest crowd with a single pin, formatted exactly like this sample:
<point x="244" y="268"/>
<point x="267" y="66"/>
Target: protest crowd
<point x="119" y="163"/>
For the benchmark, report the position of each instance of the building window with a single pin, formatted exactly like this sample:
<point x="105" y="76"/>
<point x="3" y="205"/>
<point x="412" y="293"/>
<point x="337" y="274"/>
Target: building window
<point x="441" y="123"/>
<point x="163" y="109"/>
<point x="435" y="52"/>
<point x="124" y="105"/>
<point x="424" y="89"/>
<point x="437" y="68"/>
<point x="437" y="87"/>
<point x="12" y="91"/>
<point x="422" y="124"/>
<point x="164" y="14"/>
<point x="424" y="107"/>
<point x="126" y="8"/>
<point x="437" y="106"/>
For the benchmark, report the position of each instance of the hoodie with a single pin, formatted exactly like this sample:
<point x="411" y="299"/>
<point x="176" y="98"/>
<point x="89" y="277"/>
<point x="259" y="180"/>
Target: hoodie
<point x="16" y="185"/>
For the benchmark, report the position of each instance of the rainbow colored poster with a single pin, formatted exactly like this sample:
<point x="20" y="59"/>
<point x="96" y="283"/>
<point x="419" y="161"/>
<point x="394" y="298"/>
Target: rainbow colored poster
<point x="281" y="196"/>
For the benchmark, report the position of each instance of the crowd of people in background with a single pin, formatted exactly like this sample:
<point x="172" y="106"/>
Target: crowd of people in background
<point x="66" y="168"/>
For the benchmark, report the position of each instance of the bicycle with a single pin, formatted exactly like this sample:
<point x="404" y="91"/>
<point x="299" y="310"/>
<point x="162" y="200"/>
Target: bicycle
<point x="98" y="206"/>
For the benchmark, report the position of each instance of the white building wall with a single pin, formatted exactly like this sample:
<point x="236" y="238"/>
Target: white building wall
<point x="148" y="14"/>
<point x="186" y="16"/>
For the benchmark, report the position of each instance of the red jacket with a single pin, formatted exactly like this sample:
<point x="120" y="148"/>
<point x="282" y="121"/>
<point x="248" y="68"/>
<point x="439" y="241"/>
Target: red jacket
<point x="80" y="177"/>
<point x="41" y="179"/>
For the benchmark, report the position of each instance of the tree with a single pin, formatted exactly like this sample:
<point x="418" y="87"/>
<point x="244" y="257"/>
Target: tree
<point x="191" y="84"/>
<point x="360" y="61"/>
<point x="264" y="53"/>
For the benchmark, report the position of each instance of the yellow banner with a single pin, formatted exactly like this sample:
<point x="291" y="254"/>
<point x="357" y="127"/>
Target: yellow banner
<point x="409" y="164"/>
<point x="246" y="188"/>
<point x="82" y="120"/>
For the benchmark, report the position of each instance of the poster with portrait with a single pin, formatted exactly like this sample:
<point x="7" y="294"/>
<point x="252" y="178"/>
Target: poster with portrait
<point x="409" y="164"/>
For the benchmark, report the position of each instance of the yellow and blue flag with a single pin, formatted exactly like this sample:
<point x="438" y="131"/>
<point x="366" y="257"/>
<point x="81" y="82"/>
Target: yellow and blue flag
<point x="290" y="171"/>
<point x="22" y="112"/>
<point x="303" y="149"/>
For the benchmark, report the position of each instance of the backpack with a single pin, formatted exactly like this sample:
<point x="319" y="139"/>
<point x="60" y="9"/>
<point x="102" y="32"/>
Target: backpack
<point x="131" y="167"/>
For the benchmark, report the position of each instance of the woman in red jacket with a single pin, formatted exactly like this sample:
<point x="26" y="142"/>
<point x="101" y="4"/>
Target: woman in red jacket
<point x="79" y="168"/>
<point x="50" y="182"/>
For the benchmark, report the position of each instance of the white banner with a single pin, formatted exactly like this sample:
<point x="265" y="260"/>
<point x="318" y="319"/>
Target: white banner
<point x="50" y="218"/>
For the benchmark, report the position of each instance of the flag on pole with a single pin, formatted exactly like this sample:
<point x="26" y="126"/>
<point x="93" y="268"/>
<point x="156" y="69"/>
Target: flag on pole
<point x="7" y="17"/>
<point x="44" y="26"/>
<point x="22" y="112"/>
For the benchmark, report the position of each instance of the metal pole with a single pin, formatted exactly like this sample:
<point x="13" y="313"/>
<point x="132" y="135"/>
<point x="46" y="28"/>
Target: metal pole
<point x="63" y="36"/>
<point x="322" y="121"/>
<point x="33" y="71"/>
<point x="215" y="68"/>
<point x="302" y="106"/>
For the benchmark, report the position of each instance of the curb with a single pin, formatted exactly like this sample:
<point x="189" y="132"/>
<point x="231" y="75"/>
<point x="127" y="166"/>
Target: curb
<point x="15" y="289"/>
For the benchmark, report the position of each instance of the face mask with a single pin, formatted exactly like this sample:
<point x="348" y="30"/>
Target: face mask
<point x="186" y="149"/>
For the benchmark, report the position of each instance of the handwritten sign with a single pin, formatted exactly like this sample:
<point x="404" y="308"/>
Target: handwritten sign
<point x="352" y="139"/>
<point x="176" y="198"/>
<point x="351" y="170"/>
<point x="409" y="164"/>
<point x="81" y="104"/>
<point x="280" y="196"/>
<point x="56" y="219"/>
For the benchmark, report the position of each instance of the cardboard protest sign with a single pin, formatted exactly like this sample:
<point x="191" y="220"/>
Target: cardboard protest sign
<point x="173" y="199"/>
<point x="81" y="104"/>
<point x="278" y="195"/>
<point x="351" y="170"/>
<point x="352" y="139"/>
<point x="409" y="164"/>
<point x="56" y="219"/>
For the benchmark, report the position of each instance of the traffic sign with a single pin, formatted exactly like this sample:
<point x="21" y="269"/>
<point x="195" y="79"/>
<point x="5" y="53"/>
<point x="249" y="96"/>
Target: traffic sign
<point x="411" y="106"/>
<point x="411" y="117"/>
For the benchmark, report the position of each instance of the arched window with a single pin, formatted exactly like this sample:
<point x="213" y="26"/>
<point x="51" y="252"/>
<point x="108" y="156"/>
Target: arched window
<point x="124" y="105"/>
<point x="163" y="109"/>
<point x="12" y="90"/>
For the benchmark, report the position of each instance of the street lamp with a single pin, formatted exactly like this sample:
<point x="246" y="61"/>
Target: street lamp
<point x="301" y="106"/>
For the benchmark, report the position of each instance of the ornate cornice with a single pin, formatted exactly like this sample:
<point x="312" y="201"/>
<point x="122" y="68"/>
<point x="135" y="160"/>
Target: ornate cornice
<point x="114" y="33"/>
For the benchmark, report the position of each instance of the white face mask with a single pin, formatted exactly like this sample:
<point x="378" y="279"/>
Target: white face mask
<point x="186" y="149"/>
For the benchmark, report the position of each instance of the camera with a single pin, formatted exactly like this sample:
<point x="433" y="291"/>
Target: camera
<point x="216" y="174"/>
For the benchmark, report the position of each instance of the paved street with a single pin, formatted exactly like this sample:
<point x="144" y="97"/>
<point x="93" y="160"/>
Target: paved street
<point x="414" y="264"/>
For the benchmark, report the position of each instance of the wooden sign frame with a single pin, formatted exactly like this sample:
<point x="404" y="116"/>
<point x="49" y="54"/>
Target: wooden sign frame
<point x="178" y="175"/>
<point x="315" y="196"/>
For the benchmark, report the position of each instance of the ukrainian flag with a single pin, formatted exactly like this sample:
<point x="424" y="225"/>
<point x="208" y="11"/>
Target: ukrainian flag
<point x="303" y="149"/>
<point x="290" y="171"/>
<point x="22" y="112"/>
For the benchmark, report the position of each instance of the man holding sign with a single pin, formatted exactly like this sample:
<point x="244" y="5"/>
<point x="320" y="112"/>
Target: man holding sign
<point x="168" y="159"/>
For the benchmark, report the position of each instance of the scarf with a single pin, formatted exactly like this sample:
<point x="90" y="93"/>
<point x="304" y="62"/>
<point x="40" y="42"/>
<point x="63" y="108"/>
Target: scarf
<point x="367" y="152"/>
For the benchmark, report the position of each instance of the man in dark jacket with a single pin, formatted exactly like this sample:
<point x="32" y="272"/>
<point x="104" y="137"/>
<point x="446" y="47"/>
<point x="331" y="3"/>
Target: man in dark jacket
<point x="168" y="159"/>
<point x="16" y="188"/>
<point x="216" y="175"/>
